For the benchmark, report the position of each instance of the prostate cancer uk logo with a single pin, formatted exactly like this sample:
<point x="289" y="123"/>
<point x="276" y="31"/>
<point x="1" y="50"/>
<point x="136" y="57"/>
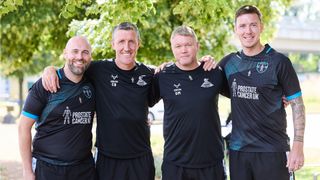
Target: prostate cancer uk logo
<point x="244" y="92"/>
<point x="70" y="117"/>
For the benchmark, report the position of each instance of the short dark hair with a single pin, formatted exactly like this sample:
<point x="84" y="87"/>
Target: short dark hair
<point x="126" y="26"/>
<point x="248" y="9"/>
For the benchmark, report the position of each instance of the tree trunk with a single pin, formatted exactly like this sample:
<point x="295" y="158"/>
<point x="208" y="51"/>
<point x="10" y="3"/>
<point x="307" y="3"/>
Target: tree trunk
<point x="20" y="93"/>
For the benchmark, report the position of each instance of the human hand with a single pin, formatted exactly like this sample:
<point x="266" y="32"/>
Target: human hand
<point x="161" y="67"/>
<point x="29" y="176"/>
<point x="149" y="122"/>
<point x="285" y="102"/>
<point x="209" y="62"/>
<point x="296" y="157"/>
<point x="50" y="80"/>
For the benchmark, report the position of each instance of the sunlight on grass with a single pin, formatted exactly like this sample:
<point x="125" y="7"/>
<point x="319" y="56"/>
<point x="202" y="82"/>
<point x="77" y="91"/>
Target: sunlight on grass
<point x="157" y="149"/>
<point x="307" y="173"/>
<point x="312" y="159"/>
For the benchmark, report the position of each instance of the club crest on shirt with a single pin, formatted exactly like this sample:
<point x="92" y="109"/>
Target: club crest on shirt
<point x="114" y="80"/>
<point x="141" y="82"/>
<point x="87" y="91"/>
<point x="177" y="90"/>
<point x="206" y="83"/>
<point x="262" y="67"/>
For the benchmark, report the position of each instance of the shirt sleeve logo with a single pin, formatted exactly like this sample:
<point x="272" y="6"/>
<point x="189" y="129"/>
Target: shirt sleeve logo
<point x="262" y="67"/>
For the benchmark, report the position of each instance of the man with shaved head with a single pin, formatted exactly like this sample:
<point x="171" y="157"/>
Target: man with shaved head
<point x="62" y="144"/>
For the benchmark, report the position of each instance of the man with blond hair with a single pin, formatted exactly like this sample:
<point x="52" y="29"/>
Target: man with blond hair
<point x="193" y="143"/>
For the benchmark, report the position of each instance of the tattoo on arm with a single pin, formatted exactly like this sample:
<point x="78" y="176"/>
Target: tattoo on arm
<point x="299" y="118"/>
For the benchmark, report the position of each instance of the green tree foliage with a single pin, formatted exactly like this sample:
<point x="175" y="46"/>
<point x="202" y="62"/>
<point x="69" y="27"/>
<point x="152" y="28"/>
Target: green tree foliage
<point x="33" y="33"/>
<point x="34" y="30"/>
<point x="7" y="6"/>
<point x="212" y="20"/>
<point x="305" y="62"/>
<point x="32" y="37"/>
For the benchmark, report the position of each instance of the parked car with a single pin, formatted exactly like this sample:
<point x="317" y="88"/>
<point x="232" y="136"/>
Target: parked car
<point x="156" y="112"/>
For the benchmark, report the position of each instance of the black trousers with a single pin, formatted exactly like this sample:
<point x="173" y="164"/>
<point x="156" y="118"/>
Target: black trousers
<point x="258" y="165"/>
<point x="173" y="172"/>
<point x="141" y="168"/>
<point x="82" y="171"/>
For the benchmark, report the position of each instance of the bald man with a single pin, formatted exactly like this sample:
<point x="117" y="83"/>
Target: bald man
<point x="62" y="144"/>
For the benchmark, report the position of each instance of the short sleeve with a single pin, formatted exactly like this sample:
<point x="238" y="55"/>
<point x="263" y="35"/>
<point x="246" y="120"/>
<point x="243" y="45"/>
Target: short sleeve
<point x="154" y="96"/>
<point x="36" y="100"/>
<point x="288" y="79"/>
<point x="224" y="90"/>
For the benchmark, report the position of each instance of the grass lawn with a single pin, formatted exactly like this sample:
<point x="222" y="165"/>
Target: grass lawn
<point x="308" y="173"/>
<point x="312" y="159"/>
<point x="1" y="171"/>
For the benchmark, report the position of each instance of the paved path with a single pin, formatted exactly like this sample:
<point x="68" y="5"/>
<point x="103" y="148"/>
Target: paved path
<point x="10" y="162"/>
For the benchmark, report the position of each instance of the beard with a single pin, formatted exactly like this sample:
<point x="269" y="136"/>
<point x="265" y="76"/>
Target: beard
<point x="77" y="70"/>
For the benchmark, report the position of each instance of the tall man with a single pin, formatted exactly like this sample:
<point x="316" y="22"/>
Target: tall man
<point x="63" y="140"/>
<point x="193" y="144"/>
<point x="258" y="76"/>
<point x="122" y="85"/>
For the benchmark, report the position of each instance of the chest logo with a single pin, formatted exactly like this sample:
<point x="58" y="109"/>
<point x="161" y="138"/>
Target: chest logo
<point x="177" y="90"/>
<point x="243" y="91"/>
<point x="262" y="67"/>
<point x="67" y="115"/>
<point x="234" y="88"/>
<point x="114" y="80"/>
<point x="141" y="82"/>
<point x="76" y="117"/>
<point x="87" y="91"/>
<point x="206" y="83"/>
